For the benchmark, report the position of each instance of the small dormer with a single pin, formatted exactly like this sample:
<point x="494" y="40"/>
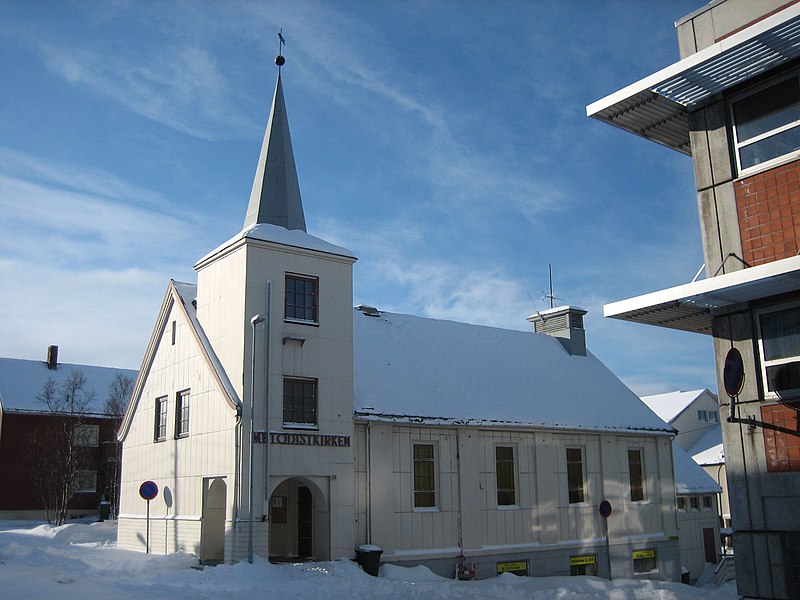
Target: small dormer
<point x="564" y="323"/>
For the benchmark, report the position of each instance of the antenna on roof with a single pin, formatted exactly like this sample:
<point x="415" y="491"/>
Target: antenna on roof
<point x="279" y="60"/>
<point x="551" y="296"/>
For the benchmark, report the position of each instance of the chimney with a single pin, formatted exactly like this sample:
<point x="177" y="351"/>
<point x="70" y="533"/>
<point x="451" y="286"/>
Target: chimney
<point x="52" y="357"/>
<point x="564" y="323"/>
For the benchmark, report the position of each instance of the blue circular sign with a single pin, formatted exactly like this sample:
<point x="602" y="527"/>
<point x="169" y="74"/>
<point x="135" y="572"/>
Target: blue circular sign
<point x="148" y="490"/>
<point x="605" y="509"/>
<point x="733" y="373"/>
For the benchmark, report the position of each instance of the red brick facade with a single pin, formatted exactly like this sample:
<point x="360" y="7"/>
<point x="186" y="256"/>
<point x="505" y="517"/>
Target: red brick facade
<point x="768" y="206"/>
<point x="782" y="450"/>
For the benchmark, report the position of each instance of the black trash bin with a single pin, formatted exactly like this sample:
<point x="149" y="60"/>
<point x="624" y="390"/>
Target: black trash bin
<point x="369" y="557"/>
<point x="105" y="510"/>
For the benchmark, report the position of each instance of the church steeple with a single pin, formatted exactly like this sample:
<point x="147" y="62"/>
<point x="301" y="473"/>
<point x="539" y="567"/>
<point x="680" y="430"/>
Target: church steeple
<point x="275" y="197"/>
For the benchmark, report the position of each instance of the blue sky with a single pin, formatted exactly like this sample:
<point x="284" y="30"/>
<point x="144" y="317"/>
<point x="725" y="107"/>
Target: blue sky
<point x="445" y="143"/>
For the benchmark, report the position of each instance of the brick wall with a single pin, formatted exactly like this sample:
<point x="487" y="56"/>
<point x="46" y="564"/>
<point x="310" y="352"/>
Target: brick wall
<point x="768" y="206"/>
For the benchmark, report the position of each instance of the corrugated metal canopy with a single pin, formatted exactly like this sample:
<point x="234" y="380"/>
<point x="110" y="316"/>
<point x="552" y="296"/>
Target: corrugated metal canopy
<point x="690" y="307"/>
<point x="658" y="106"/>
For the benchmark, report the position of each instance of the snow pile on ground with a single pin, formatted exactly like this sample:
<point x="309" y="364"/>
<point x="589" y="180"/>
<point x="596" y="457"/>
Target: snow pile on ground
<point x="81" y="561"/>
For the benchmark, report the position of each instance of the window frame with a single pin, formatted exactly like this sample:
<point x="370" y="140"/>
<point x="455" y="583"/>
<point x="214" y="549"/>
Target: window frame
<point x="572" y="489"/>
<point x="182" y="413"/>
<point x="291" y="409"/>
<point x="506" y="492"/>
<point x="87" y="435"/>
<point x="160" y="421"/>
<point x="419" y="493"/>
<point x="682" y="504"/>
<point x="293" y="318"/>
<point x="739" y="145"/>
<point x="641" y="487"/>
<point x="764" y="363"/>
<point x="653" y="558"/>
<point x="88" y="476"/>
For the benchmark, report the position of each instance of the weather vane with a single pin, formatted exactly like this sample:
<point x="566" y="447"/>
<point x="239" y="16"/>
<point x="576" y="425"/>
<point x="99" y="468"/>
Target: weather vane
<point x="279" y="60"/>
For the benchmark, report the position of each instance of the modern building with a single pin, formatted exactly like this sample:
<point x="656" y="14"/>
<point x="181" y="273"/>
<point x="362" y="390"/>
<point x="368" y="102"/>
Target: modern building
<point x="26" y="442"/>
<point x="732" y="103"/>
<point x="695" y="416"/>
<point x="276" y="420"/>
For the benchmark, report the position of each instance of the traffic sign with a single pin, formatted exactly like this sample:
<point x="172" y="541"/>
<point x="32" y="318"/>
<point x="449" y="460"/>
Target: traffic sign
<point x="148" y="490"/>
<point x="733" y="373"/>
<point x="605" y="509"/>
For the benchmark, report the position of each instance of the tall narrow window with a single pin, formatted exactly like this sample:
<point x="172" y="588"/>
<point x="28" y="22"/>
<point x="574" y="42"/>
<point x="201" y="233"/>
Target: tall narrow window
<point x="504" y="461"/>
<point x="424" y="476"/>
<point x="182" y="414"/>
<point x="160" y="432"/>
<point x="575" y="475"/>
<point x="300" y="401"/>
<point x="636" y="472"/>
<point x="301" y="298"/>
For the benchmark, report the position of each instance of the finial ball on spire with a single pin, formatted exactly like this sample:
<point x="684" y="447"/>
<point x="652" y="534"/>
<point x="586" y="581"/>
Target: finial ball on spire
<point x="279" y="60"/>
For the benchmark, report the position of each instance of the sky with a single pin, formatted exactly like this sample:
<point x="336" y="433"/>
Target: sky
<point x="81" y="560"/>
<point x="445" y="143"/>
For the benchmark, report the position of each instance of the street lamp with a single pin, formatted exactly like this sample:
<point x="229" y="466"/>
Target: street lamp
<point x="253" y="322"/>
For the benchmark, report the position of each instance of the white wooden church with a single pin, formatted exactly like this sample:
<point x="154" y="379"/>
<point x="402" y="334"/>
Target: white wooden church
<point x="277" y="420"/>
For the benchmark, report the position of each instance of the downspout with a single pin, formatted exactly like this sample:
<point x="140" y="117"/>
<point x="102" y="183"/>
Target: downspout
<point x="237" y="491"/>
<point x="369" y="482"/>
<point x="268" y="344"/>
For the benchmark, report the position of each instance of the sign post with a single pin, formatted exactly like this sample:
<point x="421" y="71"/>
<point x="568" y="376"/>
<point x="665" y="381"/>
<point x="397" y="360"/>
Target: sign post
<point x="605" y="510"/>
<point x="148" y="490"/>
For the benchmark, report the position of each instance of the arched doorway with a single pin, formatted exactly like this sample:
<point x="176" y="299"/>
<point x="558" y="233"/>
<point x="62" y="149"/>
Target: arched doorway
<point x="299" y="525"/>
<point x="212" y="529"/>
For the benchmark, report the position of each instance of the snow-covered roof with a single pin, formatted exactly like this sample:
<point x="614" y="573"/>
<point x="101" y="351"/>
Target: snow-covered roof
<point x="708" y="447"/>
<point x="21" y="381"/>
<point x="410" y="369"/>
<point x="668" y="406"/>
<point x="276" y="234"/>
<point x="711" y="456"/>
<point x="690" y="478"/>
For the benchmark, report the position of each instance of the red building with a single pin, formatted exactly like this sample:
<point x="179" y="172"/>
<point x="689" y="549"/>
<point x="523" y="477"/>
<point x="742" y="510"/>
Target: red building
<point x="29" y="432"/>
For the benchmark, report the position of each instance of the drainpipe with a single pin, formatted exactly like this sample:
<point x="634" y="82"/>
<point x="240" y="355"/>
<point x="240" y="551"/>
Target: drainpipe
<point x="253" y="322"/>
<point x="266" y="404"/>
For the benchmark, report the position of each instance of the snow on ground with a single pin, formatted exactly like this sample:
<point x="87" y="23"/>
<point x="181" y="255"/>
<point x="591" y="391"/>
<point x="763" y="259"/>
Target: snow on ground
<point x="81" y="561"/>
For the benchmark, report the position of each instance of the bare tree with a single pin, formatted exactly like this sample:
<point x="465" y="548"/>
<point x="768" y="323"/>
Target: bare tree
<point x="119" y="393"/>
<point x="58" y="449"/>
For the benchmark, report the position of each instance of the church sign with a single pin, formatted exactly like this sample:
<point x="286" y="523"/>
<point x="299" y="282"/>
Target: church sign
<point x="301" y="439"/>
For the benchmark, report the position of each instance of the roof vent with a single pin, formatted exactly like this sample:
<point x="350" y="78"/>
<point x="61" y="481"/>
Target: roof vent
<point x="564" y="323"/>
<point x="368" y="311"/>
<point x="52" y="357"/>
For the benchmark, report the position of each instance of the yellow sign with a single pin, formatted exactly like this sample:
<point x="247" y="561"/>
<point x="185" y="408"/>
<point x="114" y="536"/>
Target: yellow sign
<point x="512" y="567"/>
<point x="644" y="554"/>
<point x="586" y="559"/>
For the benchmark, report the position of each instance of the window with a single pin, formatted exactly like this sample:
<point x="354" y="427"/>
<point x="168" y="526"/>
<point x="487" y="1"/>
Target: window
<point x="87" y="436"/>
<point x="701" y="415"/>
<point x="694" y="502"/>
<point x="681" y="502"/>
<point x="161" y="419"/>
<point x="584" y="564"/>
<point x="85" y="481"/>
<point x="636" y="472"/>
<point x="644" y="561"/>
<point x="504" y="461"/>
<point x="424" y="479"/>
<point x="575" y="475"/>
<point x="301" y="298"/>
<point x="300" y="401"/>
<point x="766" y="124"/>
<point x="713" y="416"/>
<point x="779" y="341"/>
<point x="174" y="327"/>
<point x="182" y="414"/>
<point x="706" y="502"/>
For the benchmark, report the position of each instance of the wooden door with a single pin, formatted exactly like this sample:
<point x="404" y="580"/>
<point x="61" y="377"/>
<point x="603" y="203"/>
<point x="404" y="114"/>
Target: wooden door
<point x="305" y="514"/>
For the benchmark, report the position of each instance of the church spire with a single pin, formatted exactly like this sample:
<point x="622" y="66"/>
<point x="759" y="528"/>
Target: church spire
<point x="275" y="197"/>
